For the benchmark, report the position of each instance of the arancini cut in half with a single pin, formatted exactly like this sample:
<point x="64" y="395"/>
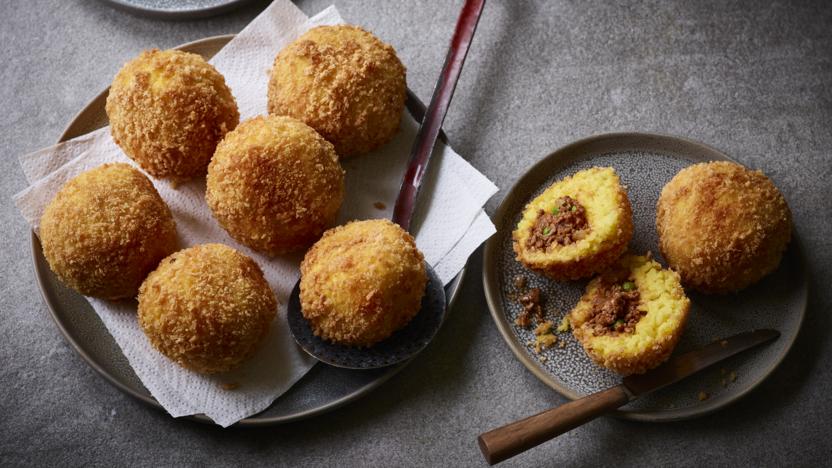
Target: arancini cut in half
<point x="207" y="308"/>
<point x="361" y="282"/>
<point x="631" y="316"/>
<point x="275" y="184"/>
<point x="168" y="110"/>
<point x="577" y="227"/>
<point x="105" y="230"/>
<point x="722" y="226"/>
<point x="345" y="83"/>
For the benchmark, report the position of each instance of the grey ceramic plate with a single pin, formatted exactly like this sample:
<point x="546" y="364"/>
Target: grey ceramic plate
<point x="177" y="9"/>
<point x="645" y="162"/>
<point x="322" y="389"/>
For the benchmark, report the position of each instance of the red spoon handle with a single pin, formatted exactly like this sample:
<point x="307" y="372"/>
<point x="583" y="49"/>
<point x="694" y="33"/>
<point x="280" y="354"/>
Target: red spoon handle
<point x="434" y="116"/>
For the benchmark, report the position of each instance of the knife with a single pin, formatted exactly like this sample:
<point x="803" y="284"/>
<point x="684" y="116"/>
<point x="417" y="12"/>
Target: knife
<point x="517" y="437"/>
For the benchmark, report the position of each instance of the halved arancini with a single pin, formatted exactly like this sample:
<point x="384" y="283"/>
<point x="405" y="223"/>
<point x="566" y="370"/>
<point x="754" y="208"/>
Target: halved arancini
<point x="631" y="316"/>
<point x="577" y="227"/>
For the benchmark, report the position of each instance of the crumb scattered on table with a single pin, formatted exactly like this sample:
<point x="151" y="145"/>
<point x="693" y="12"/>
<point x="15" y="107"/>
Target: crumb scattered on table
<point x="724" y="343"/>
<point x="727" y="377"/>
<point x="379" y="205"/>
<point x="703" y="396"/>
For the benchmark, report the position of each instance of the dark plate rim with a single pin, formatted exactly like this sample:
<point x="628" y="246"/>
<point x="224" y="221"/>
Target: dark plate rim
<point x="162" y="13"/>
<point x="492" y="249"/>
<point x="53" y="304"/>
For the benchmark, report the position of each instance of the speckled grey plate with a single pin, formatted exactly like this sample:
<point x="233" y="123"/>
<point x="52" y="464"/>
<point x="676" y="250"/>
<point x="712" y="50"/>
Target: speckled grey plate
<point x="645" y="163"/>
<point x="322" y="389"/>
<point x="177" y="9"/>
<point x="401" y="346"/>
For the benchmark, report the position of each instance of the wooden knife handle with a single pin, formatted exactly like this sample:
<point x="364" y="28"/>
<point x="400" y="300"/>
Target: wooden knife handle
<point x="507" y="441"/>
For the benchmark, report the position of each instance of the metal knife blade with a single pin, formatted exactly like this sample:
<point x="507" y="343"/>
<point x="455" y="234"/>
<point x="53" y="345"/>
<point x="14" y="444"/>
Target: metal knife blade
<point x="682" y="366"/>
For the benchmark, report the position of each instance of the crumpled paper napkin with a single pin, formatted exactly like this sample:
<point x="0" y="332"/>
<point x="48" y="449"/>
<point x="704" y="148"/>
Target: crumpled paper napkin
<point x="449" y="225"/>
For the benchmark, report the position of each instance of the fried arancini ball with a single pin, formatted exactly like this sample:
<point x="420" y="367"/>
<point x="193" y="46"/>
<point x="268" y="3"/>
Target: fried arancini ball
<point x="168" y="110"/>
<point x="105" y="230"/>
<point x="275" y="184"/>
<point x="576" y="227"/>
<point x="361" y="282"/>
<point x="722" y="226"/>
<point x="343" y="82"/>
<point x="631" y="316"/>
<point x="207" y="308"/>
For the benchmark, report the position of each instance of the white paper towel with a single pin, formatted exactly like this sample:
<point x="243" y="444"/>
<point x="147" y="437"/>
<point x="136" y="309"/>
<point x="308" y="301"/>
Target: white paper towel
<point x="450" y="224"/>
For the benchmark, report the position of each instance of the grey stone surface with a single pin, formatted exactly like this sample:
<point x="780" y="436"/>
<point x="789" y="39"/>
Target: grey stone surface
<point x="751" y="78"/>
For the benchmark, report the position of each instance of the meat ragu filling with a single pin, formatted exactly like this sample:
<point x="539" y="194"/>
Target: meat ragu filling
<point x="615" y="308"/>
<point x="564" y="224"/>
<point x="531" y="303"/>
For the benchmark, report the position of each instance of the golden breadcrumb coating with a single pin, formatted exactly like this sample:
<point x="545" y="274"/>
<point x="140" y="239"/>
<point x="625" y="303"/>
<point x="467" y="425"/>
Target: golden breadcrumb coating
<point x="105" y="230"/>
<point x="722" y="226"/>
<point x="275" y="184"/>
<point x="168" y="110"/>
<point x="361" y="282"/>
<point x="608" y="214"/>
<point x="665" y="307"/>
<point x="343" y="82"/>
<point x="207" y="308"/>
